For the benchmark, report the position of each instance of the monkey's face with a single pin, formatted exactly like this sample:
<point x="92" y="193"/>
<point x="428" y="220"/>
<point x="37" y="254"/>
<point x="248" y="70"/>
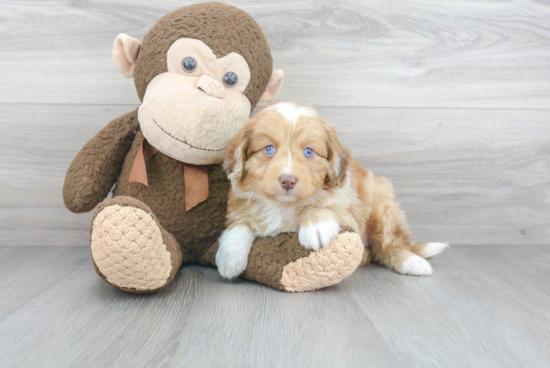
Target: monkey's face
<point x="199" y="72"/>
<point x="191" y="111"/>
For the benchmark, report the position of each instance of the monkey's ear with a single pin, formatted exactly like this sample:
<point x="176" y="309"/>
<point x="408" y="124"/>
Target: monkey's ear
<point x="273" y="88"/>
<point x="125" y="52"/>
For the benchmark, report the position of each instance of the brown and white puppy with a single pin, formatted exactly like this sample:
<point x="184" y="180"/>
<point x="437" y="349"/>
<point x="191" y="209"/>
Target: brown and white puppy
<point x="290" y="172"/>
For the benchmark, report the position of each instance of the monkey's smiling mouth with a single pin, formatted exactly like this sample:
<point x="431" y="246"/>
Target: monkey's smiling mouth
<point x="190" y="145"/>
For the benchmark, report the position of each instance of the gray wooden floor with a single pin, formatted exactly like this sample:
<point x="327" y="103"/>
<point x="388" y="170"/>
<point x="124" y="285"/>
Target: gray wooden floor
<point x="484" y="307"/>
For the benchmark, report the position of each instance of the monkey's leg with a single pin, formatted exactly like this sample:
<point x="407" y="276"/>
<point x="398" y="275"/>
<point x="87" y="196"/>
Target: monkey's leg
<point x="282" y="263"/>
<point x="130" y="249"/>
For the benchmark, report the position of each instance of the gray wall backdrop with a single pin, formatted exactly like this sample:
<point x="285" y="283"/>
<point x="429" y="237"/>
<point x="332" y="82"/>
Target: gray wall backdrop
<point x="448" y="99"/>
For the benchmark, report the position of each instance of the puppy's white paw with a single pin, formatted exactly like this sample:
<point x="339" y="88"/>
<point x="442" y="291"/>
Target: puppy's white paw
<point x="318" y="235"/>
<point x="232" y="255"/>
<point x="416" y="266"/>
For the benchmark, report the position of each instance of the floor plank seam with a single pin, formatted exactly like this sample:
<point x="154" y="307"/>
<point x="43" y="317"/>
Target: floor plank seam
<point x="379" y="333"/>
<point x="36" y="295"/>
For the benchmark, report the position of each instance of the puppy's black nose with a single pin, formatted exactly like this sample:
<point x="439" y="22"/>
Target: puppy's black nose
<point x="288" y="181"/>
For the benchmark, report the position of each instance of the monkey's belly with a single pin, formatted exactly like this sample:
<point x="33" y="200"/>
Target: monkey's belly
<point x="197" y="229"/>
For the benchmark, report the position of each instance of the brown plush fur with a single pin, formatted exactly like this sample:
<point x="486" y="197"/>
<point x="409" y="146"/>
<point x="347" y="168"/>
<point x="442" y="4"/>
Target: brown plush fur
<point x="224" y="28"/>
<point x="165" y="195"/>
<point x="267" y="258"/>
<point x="97" y="166"/>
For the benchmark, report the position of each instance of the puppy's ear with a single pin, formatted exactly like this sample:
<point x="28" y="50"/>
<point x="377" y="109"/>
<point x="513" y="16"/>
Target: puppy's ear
<point x="236" y="154"/>
<point x="339" y="158"/>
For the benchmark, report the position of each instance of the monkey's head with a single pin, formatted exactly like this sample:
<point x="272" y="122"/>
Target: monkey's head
<point x="199" y="73"/>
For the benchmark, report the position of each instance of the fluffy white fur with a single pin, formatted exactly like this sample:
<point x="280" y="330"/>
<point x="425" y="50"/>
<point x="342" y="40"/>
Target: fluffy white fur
<point x="318" y="235"/>
<point x="291" y="111"/>
<point x="416" y="266"/>
<point x="288" y="167"/>
<point x="232" y="255"/>
<point x="432" y="249"/>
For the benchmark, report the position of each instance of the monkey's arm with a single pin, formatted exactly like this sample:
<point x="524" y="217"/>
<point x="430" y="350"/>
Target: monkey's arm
<point x="96" y="167"/>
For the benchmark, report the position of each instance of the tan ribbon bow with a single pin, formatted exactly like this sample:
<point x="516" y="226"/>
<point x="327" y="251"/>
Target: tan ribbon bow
<point x="195" y="177"/>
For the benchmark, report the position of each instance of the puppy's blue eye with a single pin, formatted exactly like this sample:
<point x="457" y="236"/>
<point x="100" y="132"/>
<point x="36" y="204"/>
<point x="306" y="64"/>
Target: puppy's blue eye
<point x="269" y="150"/>
<point x="308" y="152"/>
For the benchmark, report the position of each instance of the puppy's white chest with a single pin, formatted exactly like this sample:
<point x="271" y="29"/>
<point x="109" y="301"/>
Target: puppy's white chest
<point x="271" y="220"/>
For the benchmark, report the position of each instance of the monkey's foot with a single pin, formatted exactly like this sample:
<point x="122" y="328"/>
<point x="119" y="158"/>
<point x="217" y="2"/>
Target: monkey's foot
<point x="282" y="263"/>
<point x="130" y="250"/>
<point x="325" y="267"/>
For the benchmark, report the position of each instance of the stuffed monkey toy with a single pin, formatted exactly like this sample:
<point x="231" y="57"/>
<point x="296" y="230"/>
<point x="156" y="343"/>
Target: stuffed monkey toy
<point x="199" y="72"/>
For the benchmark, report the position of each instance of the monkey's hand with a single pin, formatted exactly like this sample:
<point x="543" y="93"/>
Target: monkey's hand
<point x="96" y="167"/>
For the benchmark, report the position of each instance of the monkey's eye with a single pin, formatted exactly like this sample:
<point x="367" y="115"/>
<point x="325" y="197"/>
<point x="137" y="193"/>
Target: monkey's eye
<point x="308" y="152"/>
<point x="230" y="79"/>
<point x="189" y="64"/>
<point x="269" y="150"/>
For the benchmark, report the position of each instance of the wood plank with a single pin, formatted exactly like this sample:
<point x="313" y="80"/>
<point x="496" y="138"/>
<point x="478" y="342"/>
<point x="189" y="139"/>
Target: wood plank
<point x="484" y="307"/>
<point x="27" y="272"/>
<point x="470" y="177"/>
<point x="81" y="319"/>
<point x="418" y="53"/>
<point x="277" y="329"/>
<point x="90" y="323"/>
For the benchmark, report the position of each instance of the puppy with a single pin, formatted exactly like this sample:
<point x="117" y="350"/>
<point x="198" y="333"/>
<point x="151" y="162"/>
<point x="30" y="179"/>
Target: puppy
<point x="289" y="172"/>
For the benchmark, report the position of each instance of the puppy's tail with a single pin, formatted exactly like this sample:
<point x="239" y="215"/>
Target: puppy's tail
<point x="428" y="250"/>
